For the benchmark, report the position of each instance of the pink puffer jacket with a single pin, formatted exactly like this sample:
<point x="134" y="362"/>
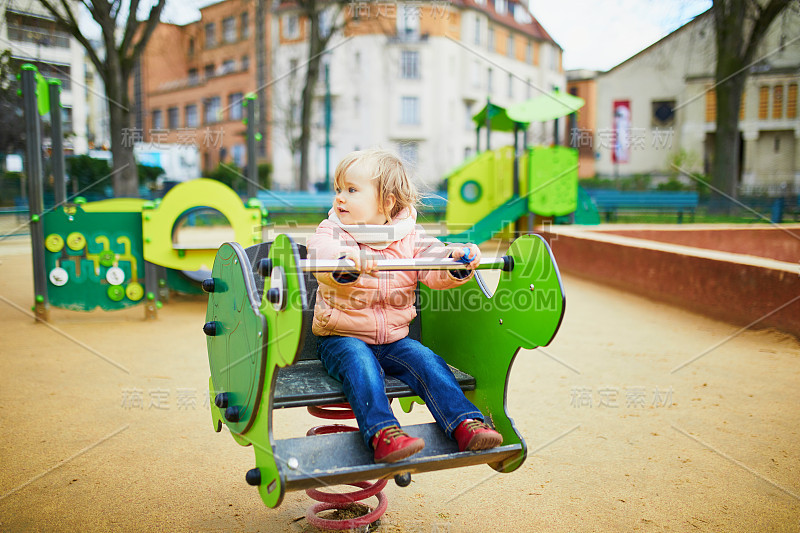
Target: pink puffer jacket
<point x="379" y="309"/>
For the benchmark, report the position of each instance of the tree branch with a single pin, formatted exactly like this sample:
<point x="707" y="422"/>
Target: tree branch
<point x="71" y="25"/>
<point x="149" y="27"/>
<point x="131" y="27"/>
<point x="766" y="16"/>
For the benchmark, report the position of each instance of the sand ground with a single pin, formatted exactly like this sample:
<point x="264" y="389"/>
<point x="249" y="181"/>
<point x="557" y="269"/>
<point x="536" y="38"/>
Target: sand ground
<point x="105" y="427"/>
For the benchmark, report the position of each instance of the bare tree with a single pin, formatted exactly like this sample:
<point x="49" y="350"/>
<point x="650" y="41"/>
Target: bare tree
<point x="325" y="19"/>
<point x="115" y="68"/>
<point x="740" y="27"/>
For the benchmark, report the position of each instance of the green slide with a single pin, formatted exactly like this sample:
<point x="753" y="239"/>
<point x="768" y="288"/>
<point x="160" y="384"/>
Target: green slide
<point x="495" y="221"/>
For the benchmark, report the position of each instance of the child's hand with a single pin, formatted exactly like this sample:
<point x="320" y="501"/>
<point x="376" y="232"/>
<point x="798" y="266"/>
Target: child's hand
<point x="474" y="254"/>
<point x="363" y="263"/>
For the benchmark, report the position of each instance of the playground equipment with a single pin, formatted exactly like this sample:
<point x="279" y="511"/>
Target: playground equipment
<point x="106" y="254"/>
<point x="262" y="356"/>
<point x="496" y="188"/>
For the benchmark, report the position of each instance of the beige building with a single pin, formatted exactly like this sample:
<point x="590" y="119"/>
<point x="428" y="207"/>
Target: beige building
<point x="409" y="77"/>
<point x="662" y="101"/>
<point x="30" y="32"/>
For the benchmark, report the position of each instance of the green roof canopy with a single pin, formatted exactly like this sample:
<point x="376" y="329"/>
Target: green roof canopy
<point x="498" y="119"/>
<point x="545" y="107"/>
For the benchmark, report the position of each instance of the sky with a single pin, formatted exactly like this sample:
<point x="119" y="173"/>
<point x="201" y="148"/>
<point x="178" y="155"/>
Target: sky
<point x="599" y="34"/>
<point x="595" y="34"/>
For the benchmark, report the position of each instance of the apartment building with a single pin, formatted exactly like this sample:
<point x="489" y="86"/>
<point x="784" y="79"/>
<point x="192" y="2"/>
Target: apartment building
<point x="580" y="133"/>
<point x="663" y="100"/>
<point x="33" y="37"/>
<point x="189" y="85"/>
<point x="409" y="77"/>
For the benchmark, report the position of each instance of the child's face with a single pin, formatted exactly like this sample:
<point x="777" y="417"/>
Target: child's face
<point x="356" y="200"/>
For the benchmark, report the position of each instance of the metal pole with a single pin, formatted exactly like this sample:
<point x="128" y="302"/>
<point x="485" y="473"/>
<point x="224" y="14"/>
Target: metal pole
<point x="516" y="159"/>
<point x="33" y="138"/>
<point x="488" y="123"/>
<point x="252" y="156"/>
<point x="381" y="265"/>
<point x="57" y="157"/>
<point x="478" y="140"/>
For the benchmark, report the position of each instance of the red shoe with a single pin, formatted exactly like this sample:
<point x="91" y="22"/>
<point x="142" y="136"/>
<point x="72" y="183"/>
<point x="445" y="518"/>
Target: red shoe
<point x="392" y="444"/>
<point x="475" y="435"/>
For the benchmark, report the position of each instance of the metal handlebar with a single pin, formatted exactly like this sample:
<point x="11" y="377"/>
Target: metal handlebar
<point x="505" y="263"/>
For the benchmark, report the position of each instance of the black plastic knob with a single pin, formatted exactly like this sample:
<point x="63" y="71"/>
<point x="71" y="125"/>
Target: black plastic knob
<point x="232" y="413"/>
<point x="508" y="263"/>
<point x="221" y="400"/>
<point x="265" y="268"/>
<point x="274" y="295"/>
<point x="212" y="328"/>
<point x="253" y="477"/>
<point x="403" y="480"/>
<point x="208" y="285"/>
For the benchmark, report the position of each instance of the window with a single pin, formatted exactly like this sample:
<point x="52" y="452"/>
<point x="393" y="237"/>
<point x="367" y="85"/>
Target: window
<point x="791" y="102"/>
<point x="529" y="53"/>
<point x="408" y="21"/>
<point x="521" y="14"/>
<point x="356" y="107"/>
<point x="228" y="66"/>
<point x="209" y="71"/>
<point x="468" y="123"/>
<point x="291" y="26"/>
<point x="190" y="115"/>
<point x="409" y="64"/>
<point x="235" y="109"/>
<point x="711" y="104"/>
<point x="66" y="119"/>
<point x="510" y="45"/>
<point x="777" y="101"/>
<point x="211" y="37"/>
<point x="158" y="120"/>
<point x="490" y="43"/>
<point x="229" y="29"/>
<point x="476" y="74"/>
<point x="663" y="113"/>
<point x="763" y="102"/>
<point x="211" y="110"/>
<point x="409" y="110"/>
<point x="244" y="26"/>
<point x="408" y="152"/>
<point x="510" y="85"/>
<point x="489" y="80"/>
<point x="292" y="68"/>
<point x="172" y="118"/>
<point x="325" y="23"/>
<point x="239" y="155"/>
<point x="193" y="79"/>
<point x="477" y="29"/>
<point x="191" y="46"/>
<point x="500" y="7"/>
<point x="245" y="62"/>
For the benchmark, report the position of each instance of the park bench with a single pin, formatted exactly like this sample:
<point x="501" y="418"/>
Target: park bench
<point x="262" y="356"/>
<point x="611" y="202"/>
<point x="288" y="202"/>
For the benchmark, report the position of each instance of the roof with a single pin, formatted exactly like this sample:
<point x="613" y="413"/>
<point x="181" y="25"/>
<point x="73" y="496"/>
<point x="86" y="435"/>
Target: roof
<point x="532" y="29"/>
<point x="640" y="52"/>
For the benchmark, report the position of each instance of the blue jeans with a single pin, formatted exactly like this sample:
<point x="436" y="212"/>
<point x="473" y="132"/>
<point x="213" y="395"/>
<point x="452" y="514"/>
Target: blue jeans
<point x="361" y="368"/>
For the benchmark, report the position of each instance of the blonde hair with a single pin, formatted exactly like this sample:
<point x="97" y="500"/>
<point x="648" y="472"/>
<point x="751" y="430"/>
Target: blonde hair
<point x="390" y="173"/>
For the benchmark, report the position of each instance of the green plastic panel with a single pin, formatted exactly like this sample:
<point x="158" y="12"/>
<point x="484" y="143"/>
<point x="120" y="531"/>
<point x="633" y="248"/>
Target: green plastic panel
<point x="158" y="223"/>
<point x="236" y="352"/>
<point x="86" y="245"/>
<point x="481" y="335"/>
<point x="553" y="175"/>
<point x="244" y="361"/>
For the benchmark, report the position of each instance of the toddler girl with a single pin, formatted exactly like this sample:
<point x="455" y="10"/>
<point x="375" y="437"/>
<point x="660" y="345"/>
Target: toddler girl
<point x="362" y="320"/>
